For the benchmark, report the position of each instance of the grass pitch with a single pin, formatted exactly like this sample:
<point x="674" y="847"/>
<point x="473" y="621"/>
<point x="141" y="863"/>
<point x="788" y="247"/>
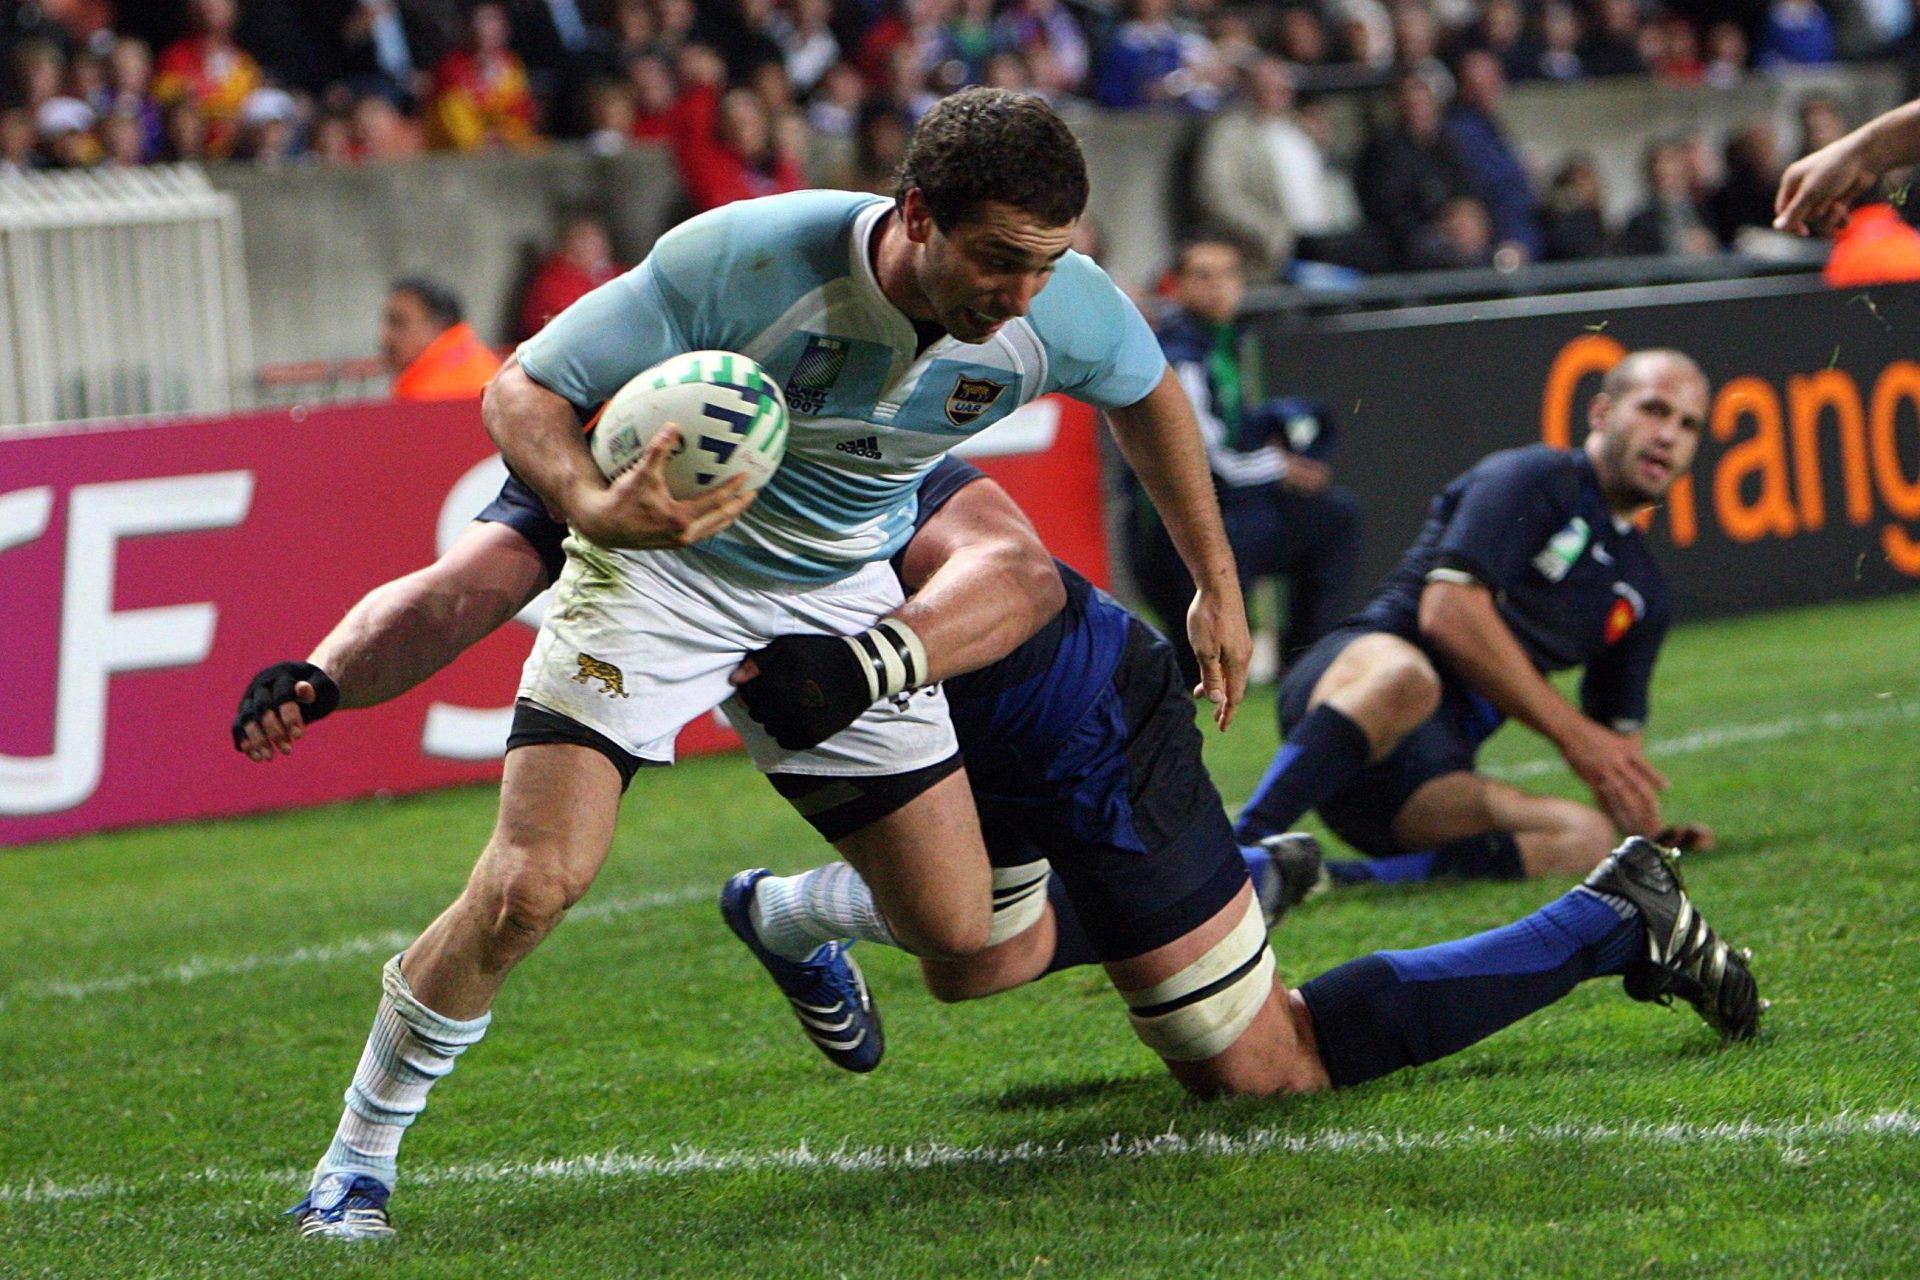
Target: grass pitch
<point x="180" y="1010"/>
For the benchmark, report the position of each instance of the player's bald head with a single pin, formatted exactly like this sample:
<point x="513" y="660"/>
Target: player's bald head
<point x="1636" y="367"/>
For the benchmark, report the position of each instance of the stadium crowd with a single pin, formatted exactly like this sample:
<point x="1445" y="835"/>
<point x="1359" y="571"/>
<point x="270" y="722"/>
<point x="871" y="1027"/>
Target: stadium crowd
<point x="748" y="92"/>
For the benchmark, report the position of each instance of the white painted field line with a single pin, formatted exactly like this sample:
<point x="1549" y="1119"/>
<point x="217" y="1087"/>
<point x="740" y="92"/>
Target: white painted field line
<point x="1792" y="1136"/>
<point x="1731" y="735"/>
<point x="199" y="968"/>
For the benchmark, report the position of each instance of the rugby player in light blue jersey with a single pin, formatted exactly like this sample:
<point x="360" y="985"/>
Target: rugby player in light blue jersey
<point x="897" y="328"/>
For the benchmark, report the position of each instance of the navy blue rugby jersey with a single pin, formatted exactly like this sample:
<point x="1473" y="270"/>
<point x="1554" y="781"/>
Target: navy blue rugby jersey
<point x="1018" y="719"/>
<point x="1576" y="585"/>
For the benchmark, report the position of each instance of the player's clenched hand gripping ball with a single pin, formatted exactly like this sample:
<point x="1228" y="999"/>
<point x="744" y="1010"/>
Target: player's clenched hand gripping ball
<point x="732" y="419"/>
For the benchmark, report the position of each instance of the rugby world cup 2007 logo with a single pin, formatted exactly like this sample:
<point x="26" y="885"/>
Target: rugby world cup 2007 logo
<point x="814" y="374"/>
<point x="970" y="398"/>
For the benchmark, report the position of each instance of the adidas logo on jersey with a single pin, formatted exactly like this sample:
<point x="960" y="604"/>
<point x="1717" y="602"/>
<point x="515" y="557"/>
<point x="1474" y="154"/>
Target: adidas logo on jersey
<point x="865" y="447"/>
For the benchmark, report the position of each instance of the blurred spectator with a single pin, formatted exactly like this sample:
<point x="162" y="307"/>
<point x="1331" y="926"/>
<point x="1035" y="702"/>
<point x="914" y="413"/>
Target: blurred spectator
<point x="331" y="141"/>
<point x="905" y="86"/>
<point x="769" y="82"/>
<point x="1670" y="221"/>
<point x="1821" y="122"/>
<point x="1052" y="40"/>
<point x="1416" y="46"/>
<point x="1797" y="33"/>
<point x="1269" y="458"/>
<point x="210" y="71"/>
<point x="1152" y="60"/>
<point x="122" y="145"/>
<point x="377" y="50"/>
<point x="1263" y="177"/>
<point x="654" y="89"/>
<point x="126" y="93"/>
<point x="1409" y="171"/>
<point x="834" y="111"/>
<point x="39" y="72"/>
<point x="17" y="138"/>
<point x="737" y="31"/>
<point x="963" y="44"/>
<point x="1502" y="31"/>
<point x="1561" y="31"/>
<point x="806" y="40"/>
<point x="726" y="148"/>
<point x="1673" y="51"/>
<point x="1745" y="197"/>
<point x="582" y="262"/>
<point x="381" y="135"/>
<point x="1460" y="235"/>
<point x="184" y="133"/>
<point x="609" y="117"/>
<point x="65" y="126"/>
<point x="879" y="145"/>
<point x="1612" y="46"/>
<point x="1008" y="70"/>
<point x="481" y="97"/>
<point x="1473" y="124"/>
<point x="269" y="120"/>
<point x="86" y="78"/>
<point x="1726" y="55"/>
<point x="432" y="353"/>
<point x="1366" y="32"/>
<point x="1572" y="225"/>
<point x="1874" y="246"/>
<point x="1302" y="36"/>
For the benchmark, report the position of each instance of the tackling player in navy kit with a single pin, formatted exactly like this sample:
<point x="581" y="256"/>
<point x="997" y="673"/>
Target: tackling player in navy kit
<point x="1085" y="762"/>
<point x="1529" y="563"/>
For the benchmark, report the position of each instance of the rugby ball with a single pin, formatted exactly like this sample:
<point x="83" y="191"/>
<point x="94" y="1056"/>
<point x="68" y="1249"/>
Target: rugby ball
<point x="732" y="419"/>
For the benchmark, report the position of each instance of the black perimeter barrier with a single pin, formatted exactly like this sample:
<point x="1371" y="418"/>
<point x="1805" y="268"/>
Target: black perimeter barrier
<point x="1806" y="487"/>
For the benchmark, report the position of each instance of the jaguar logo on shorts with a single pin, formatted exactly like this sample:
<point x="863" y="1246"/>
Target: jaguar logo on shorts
<point x="970" y="398"/>
<point x="612" y="682"/>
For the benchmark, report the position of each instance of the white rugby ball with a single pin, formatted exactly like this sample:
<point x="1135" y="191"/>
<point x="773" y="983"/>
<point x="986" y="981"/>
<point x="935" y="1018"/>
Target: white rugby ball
<point x="732" y="419"/>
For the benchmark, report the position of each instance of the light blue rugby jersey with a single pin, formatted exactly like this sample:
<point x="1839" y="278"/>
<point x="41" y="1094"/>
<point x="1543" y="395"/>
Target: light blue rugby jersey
<point x="787" y="280"/>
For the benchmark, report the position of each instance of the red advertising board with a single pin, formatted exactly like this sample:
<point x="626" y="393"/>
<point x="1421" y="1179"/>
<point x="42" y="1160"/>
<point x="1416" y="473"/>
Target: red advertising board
<point x="150" y="569"/>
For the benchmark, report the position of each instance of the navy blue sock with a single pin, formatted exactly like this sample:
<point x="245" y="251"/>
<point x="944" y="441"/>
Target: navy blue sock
<point x="1319" y="757"/>
<point x="1396" y="1009"/>
<point x="1493" y="856"/>
<point x="1071" y="946"/>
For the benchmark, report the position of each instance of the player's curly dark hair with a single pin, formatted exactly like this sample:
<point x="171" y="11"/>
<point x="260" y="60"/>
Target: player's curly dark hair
<point x="992" y="144"/>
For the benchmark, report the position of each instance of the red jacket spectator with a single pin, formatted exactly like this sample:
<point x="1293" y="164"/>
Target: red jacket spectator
<point x="481" y="96"/>
<point x="725" y="149"/>
<point x="211" y="71"/>
<point x="582" y="263"/>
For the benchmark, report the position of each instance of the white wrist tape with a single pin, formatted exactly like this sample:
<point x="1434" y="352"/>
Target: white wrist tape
<point x="892" y="657"/>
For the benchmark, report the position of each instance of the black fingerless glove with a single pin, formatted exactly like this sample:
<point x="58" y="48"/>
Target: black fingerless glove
<point x="274" y="685"/>
<point x="810" y="687"/>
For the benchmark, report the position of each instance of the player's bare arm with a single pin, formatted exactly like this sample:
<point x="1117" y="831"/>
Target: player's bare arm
<point x="1459" y="620"/>
<point x="539" y="436"/>
<point x="983" y="583"/>
<point x="398" y="634"/>
<point x="1161" y="442"/>
<point x="1816" y="190"/>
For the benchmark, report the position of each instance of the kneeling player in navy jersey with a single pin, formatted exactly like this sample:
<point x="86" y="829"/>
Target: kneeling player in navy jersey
<point x="1530" y="563"/>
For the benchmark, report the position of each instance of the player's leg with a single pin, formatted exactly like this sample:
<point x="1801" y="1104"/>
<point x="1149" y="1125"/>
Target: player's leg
<point x="1346" y="703"/>
<point x="557" y="808"/>
<point x="1475" y="826"/>
<point x="1396" y="1009"/>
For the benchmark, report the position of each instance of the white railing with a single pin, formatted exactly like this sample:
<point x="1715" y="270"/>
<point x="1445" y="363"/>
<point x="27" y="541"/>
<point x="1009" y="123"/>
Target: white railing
<point x="122" y="291"/>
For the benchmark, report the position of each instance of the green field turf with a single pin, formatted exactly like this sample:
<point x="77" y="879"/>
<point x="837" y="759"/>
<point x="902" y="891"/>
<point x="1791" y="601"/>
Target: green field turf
<point x="180" y="1010"/>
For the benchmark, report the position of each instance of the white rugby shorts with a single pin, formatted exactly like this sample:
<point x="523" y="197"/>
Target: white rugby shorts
<point x="637" y="644"/>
